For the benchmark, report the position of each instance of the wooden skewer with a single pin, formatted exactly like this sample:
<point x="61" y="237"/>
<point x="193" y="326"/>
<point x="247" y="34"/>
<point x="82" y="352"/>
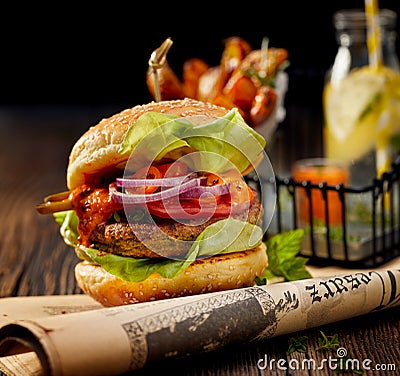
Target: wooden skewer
<point x="156" y="61"/>
<point x="54" y="207"/>
<point x="57" y="196"/>
<point x="55" y="203"/>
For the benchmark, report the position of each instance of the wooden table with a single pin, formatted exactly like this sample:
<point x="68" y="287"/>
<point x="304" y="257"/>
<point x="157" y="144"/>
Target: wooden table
<point x="34" y="146"/>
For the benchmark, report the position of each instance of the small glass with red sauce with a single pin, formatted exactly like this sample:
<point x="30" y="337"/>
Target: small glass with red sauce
<point x="312" y="197"/>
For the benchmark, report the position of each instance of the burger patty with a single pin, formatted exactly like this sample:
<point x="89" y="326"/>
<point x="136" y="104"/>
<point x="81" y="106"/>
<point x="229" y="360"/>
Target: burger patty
<point x="143" y="239"/>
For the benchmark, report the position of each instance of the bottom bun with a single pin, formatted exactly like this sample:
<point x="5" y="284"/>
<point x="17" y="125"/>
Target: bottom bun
<point x="217" y="273"/>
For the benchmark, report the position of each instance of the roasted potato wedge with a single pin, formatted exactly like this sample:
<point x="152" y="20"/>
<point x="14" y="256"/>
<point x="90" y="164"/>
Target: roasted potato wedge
<point x="244" y="79"/>
<point x="241" y="90"/>
<point x="193" y="69"/>
<point x="209" y="83"/>
<point x="235" y="50"/>
<point x="168" y="82"/>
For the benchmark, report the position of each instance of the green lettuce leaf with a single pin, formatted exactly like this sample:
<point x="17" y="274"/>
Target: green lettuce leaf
<point x="225" y="143"/>
<point x="68" y="222"/>
<point x="226" y="236"/>
<point x="227" y="140"/>
<point x="137" y="270"/>
<point x="160" y="134"/>
<point x="216" y="238"/>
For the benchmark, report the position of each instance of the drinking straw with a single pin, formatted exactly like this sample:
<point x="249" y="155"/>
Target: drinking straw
<point x="373" y="33"/>
<point x="375" y="62"/>
<point x="374" y="46"/>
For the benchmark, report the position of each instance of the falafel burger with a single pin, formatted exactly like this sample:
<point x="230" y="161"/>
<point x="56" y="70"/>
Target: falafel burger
<point x="158" y="205"/>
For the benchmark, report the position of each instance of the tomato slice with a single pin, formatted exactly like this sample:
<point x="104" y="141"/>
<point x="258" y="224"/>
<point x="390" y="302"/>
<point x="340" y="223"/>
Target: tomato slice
<point x="213" y="179"/>
<point x="172" y="169"/>
<point x="221" y="207"/>
<point x="240" y="192"/>
<point x="189" y="208"/>
<point x="151" y="172"/>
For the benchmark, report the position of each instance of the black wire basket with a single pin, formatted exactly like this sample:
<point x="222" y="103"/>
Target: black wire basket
<point x="368" y="233"/>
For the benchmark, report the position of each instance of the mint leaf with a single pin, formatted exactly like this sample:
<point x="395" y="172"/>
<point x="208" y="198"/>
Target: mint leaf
<point x="294" y="269"/>
<point x="260" y="281"/>
<point x="288" y="244"/>
<point x="283" y="259"/>
<point x="298" y="344"/>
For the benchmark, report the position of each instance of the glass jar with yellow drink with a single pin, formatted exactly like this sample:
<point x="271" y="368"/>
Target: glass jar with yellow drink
<point x="362" y="103"/>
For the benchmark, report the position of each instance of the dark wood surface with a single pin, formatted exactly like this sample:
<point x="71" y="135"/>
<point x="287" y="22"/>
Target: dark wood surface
<point x="35" y="142"/>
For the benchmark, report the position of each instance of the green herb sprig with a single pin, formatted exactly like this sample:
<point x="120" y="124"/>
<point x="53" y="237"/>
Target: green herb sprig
<point x="328" y="342"/>
<point x="297" y="344"/>
<point x="283" y="259"/>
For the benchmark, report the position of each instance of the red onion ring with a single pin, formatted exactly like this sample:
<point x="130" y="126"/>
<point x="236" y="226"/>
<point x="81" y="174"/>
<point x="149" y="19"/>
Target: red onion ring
<point x="129" y="198"/>
<point x="214" y="190"/>
<point x="162" y="182"/>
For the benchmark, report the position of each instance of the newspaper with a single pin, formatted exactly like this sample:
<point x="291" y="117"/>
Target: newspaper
<point x="30" y="308"/>
<point x="111" y="341"/>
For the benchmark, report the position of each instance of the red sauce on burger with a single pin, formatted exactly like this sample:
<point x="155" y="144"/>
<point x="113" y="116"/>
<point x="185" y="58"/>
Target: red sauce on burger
<point x="92" y="206"/>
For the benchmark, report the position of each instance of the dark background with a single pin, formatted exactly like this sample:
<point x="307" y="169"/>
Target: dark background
<point x="100" y="54"/>
<point x="97" y="55"/>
